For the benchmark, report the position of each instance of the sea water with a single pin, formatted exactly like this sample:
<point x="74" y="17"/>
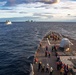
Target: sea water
<point x="19" y="41"/>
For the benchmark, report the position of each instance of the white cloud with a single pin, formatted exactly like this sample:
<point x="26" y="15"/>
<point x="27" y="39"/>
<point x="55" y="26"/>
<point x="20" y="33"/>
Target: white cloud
<point x="58" y="11"/>
<point x="3" y="3"/>
<point x="8" y="14"/>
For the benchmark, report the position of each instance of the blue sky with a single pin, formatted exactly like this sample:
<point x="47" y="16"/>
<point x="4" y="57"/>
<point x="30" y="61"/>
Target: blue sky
<point x="38" y="10"/>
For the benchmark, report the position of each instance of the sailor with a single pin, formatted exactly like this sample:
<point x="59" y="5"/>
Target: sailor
<point x="52" y="48"/>
<point x="49" y="54"/>
<point x="56" y="54"/>
<point x="58" y="58"/>
<point x="46" y="48"/>
<point x="43" y="68"/>
<point x="65" y="70"/>
<point x="57" y="65"/>
<point x="62" y="71"/>
<point x="45" y="53"/>
<point x="51" y="71"/>
<point x="39" y="66"/>
<point x="47" y="67"/>
<point x="40" y="45"/>
<point x="36" y="60"/>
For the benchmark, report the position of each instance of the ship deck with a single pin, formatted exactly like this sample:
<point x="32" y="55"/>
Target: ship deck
<point x="40" y="55"/>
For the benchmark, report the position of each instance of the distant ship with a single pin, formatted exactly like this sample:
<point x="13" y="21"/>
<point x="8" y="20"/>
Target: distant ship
<point x="8" y="22"/>
<point x="29" y="21"/>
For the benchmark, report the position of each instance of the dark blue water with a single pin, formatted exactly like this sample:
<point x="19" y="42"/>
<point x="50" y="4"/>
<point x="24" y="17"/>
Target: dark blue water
<point x="19" y="41"/>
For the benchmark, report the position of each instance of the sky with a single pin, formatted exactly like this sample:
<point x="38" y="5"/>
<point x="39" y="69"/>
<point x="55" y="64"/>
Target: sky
<point x="38" y="10"/>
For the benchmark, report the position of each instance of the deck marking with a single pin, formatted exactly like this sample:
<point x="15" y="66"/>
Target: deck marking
<point x="48" y="41"/>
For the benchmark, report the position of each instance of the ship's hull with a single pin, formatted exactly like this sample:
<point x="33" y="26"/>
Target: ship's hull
<point x="8" y="23"/>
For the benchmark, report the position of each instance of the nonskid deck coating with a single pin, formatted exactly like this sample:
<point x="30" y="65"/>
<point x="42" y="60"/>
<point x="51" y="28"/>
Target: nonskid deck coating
<point x="40" y="55"/>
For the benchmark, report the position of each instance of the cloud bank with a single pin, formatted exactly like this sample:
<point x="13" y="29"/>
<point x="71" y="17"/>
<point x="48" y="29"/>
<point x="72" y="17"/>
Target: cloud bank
<point x="44" y="10"/>
<point x="15" y="2"/>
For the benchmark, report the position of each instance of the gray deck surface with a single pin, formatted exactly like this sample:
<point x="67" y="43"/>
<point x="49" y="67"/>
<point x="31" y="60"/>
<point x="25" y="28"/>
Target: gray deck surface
<point x="41" y="57"/>
<point x="40" y="54"/>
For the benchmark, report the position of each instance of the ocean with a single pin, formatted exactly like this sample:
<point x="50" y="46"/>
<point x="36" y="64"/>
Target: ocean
<point x="19" y="41"/>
